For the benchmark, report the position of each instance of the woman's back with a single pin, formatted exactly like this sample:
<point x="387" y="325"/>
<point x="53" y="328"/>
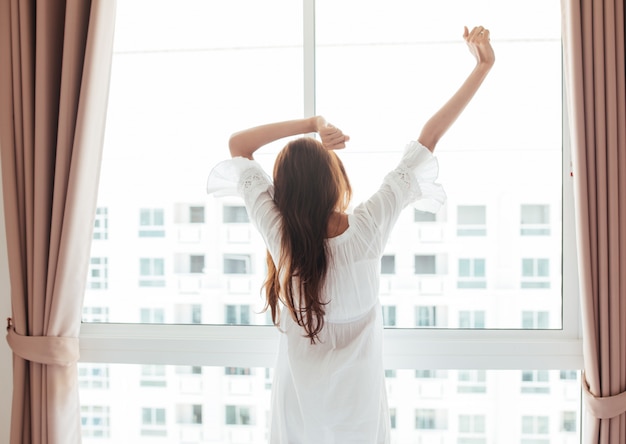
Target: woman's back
<point x="332" y="390"/>
<point x="329" y="381"/>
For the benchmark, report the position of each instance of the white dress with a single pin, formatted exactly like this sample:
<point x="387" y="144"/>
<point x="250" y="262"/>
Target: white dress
<point x="334" y="391"/>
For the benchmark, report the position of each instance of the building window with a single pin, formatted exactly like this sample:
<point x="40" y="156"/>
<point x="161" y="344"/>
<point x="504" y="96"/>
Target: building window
<point x="535" y="273"/>
<point x="188" y="314"/>
<point x="425" y="264"/>
<point x="152" y="315"/>
<point x="153" y="422"/>
<point x="95" y="314"/>
<point x="151" y="272"/>
<point x="186" y="213"/>
<point x="392" y="417"/>
<point x="239" y="415"/>
<point x="196" y="263"/>
<point x="153" y="376"/>
<point x="189" y="414"/>
<point x="472" y="273"/>
<point x="472" y="424"/>
<point x="235" y="214"/>
<point x="568" y="375"/>
<point x="471" y="220"/>
<point x="101" y="224"/>
<point x="431" y="419"/>
<point x="472" y="381"/>
<point x="424" y="216"/>
<point x="237" y="371"/>
<point x="389" y="315"/>
<point x="535" y="425"/>
<point x="95" y="421"/>
<point x="151" y="222"/>
<point x="388" y="264"/>
<point x="431" y="374"/>
<point x="188" y="370"/>
<point x="196" y="214"/>
<point x="189" y="263"/>
<point x="535" y="382"/>
<point x="237" y="314"/>
<point x="426" y="316"/>
<point x="569" y="422"/>
<point x="93" y="376"/>
<point x="98" y="273"/>
<point x="535" y="319"/>
<point x="390" y="373"/>
<point x="535" y="220"/>
<point x="237" y="264"/>
<point x="471" y="319"/>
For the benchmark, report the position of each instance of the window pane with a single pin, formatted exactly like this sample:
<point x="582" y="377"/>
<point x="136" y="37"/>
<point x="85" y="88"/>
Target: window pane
<point x="233" y="63"/>
<point x="535" y="214"/>
<point x="388" y="264"/>
<point x="425" y="264"/>
<point x="483" y="169"/>
<point x="216" y="404"/>
<point x="464" y="267"/>
<point x="423" y="216"/>
<point x="176" y="95"/>
<point x="196" y="215"/>
<point x="235" y="214"/>
<point x="479" y="267"/>
<point x="471" y="215"/>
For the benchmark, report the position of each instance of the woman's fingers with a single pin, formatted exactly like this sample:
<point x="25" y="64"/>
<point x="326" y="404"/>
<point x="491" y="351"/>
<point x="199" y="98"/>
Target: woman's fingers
<point x="333" y="137"/>
<point x="477" y="34"/>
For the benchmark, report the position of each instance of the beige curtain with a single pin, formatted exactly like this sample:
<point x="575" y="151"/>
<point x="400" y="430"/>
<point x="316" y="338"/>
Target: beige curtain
<point x="55" y="58"/>
<point x="595" y="85"/>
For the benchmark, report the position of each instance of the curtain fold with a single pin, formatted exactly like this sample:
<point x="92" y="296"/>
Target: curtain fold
<point x="595" y="88"/>
<point x="55" y="58"/>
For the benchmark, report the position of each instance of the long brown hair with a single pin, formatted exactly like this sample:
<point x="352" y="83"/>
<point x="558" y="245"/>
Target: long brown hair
<point x="310" y="183"/>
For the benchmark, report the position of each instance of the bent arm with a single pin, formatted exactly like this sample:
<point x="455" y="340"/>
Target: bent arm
<point x="440" y="122"/>
<point x="245" y="143"/>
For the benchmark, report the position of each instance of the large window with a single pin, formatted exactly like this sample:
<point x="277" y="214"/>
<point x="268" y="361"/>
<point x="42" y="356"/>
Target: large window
<point x="487" y="283"/>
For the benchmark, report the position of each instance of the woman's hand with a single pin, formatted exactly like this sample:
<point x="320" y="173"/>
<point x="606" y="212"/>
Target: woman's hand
<point x="438" y="124"/>
<point x="479" y="45"/>
<point x="332" y="137"/>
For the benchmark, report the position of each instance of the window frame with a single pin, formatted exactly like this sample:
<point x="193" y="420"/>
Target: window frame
<point x="445" y="348"/>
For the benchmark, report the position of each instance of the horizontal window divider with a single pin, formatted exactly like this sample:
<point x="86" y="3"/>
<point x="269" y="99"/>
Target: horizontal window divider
<point x="256" y="346"/>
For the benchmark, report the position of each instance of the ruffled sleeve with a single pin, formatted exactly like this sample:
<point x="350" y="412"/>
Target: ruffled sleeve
<point x="414" y="179"/>
<point x="239" y="177"/>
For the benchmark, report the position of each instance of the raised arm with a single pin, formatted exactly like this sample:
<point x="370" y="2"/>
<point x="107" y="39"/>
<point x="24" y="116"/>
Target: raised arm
<point x="244" y="143"/>
<point x="480" y="47"/>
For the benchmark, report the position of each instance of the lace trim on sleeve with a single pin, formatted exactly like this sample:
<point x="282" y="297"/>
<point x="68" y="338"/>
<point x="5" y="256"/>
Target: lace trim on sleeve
<point x="234" y="176"/>
<point x="415" y="178"/>
<point x="253" y="180"/>
<point x="407" y="181"/>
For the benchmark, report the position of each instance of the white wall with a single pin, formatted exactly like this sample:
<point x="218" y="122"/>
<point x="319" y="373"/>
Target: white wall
<point x="6" y="359"/>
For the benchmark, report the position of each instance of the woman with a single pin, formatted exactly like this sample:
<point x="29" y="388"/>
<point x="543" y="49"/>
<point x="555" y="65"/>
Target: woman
<point x="324" y="264"/>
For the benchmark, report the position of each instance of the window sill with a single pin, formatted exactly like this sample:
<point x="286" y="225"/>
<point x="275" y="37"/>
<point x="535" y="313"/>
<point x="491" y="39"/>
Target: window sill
<point x="256" y="346"/>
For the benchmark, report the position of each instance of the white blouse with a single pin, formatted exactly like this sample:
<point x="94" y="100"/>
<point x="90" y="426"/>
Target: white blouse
<point x="333" y="391"/>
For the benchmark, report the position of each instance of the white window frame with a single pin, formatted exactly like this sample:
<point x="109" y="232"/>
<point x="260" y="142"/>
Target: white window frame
<point x="256" y="346"/>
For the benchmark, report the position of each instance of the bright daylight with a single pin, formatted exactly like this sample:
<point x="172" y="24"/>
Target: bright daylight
<point x="394" y="178"/>
<point x="188" y="74"/>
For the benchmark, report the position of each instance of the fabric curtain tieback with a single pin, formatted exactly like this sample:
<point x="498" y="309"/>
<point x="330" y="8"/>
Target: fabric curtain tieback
<point x="50" y="350"/>
<point x="604" y="407"/>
